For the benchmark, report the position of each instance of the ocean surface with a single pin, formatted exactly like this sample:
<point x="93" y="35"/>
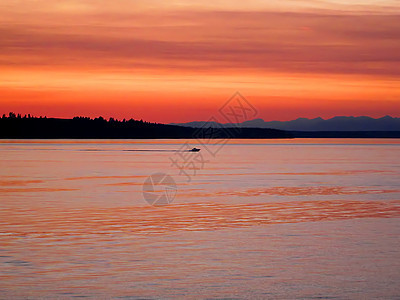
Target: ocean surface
<point x="246" y="219"/>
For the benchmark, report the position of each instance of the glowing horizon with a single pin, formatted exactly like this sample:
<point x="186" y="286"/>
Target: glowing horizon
<point x="180" y="62"/>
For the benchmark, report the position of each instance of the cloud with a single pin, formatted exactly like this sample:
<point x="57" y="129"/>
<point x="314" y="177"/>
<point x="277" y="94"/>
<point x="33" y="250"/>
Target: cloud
<point x="212" y="41"/>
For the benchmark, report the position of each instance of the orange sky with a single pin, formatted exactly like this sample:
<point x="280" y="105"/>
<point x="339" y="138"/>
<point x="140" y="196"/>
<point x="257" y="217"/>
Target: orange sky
<point x="176" y="61"/>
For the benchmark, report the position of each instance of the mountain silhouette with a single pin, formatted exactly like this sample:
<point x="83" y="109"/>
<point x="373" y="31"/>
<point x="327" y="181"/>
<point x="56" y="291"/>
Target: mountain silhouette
<point x="339" y="123"/>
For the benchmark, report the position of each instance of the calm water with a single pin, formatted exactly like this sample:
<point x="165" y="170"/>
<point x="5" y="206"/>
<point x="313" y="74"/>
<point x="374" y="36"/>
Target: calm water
<point x="259" y="219"/>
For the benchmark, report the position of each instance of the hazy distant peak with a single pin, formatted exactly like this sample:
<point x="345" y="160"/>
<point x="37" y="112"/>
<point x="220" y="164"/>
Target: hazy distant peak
<point x="338" y="123"/>
<point x="387" y="118"/>
<point x="254" y="122"/>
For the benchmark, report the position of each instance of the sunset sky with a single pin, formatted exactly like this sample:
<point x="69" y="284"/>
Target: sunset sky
<point x="179" y="61"/>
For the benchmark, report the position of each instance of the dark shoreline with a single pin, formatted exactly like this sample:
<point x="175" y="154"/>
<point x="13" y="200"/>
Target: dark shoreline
<point x="99" y="128"/>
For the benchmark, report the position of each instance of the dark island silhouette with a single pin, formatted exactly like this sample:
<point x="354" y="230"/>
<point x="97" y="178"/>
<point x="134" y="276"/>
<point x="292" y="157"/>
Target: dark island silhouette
<point x="16" y="126"/>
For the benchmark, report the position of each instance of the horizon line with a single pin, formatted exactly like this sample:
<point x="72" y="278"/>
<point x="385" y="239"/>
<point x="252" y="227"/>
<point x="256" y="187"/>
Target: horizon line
<point x="28" y="115"/>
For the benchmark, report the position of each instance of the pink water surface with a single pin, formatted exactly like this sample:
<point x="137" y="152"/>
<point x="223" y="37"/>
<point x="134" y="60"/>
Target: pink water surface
<point x="304" y="218"/>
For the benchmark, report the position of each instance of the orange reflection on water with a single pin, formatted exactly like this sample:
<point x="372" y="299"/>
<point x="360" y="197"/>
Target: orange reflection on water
<point x="5" y="182"/>
<point x="199" y="216"/>
<point x="294" y="191"/>
<point x="104" y="177"/>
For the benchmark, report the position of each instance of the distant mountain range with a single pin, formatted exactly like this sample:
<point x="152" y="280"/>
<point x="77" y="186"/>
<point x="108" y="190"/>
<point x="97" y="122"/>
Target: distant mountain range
<point x="27" y="127"/>
<point x="386" y="123"/>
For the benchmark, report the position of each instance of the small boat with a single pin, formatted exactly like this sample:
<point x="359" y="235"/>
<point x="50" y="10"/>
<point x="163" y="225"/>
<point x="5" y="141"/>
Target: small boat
<point x="194" y="150"/>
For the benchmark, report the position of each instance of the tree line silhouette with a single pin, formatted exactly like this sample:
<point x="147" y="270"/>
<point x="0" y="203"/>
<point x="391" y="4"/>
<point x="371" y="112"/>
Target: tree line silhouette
<point x="28" y="126"/>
